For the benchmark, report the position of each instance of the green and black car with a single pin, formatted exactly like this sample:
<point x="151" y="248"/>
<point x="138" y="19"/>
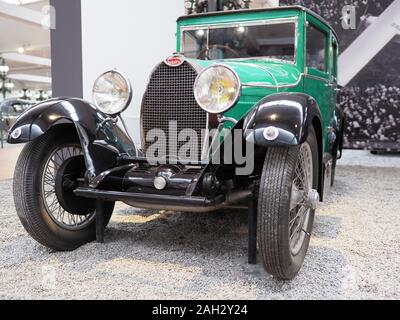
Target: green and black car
<point x="242" y="116"/>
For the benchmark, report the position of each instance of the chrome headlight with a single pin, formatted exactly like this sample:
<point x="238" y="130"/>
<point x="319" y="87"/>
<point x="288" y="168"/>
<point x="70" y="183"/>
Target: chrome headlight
<point x="217" y="89"/>
<point x="112" y="93"/>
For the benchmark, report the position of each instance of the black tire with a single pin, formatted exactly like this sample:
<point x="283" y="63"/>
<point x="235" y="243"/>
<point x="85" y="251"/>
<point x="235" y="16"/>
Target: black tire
<point x="274" y="213"/>
<point x="29" y="201"/>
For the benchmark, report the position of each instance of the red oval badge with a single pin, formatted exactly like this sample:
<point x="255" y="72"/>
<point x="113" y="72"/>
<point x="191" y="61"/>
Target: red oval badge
<point x="174" y="61"/>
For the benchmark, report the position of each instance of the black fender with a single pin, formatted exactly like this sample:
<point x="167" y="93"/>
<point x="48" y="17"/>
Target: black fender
<point x="102" y="140"/>
<point x="339" y="127"/>
<point x="292" y="114"/>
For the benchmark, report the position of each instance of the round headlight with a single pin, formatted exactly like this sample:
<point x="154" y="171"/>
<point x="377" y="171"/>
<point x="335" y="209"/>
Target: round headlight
<point x="217" y="89"/>
<point x="112" y="93"/>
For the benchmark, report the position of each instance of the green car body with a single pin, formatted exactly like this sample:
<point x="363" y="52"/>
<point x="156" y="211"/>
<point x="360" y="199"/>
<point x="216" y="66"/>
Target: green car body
<point x="281" y="100"/>
<point x="263" y="77"/>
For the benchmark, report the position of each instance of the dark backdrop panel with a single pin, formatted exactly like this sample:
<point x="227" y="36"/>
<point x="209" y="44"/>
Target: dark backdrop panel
<point x="66" y="49"/>
<point x="372" y="100"/>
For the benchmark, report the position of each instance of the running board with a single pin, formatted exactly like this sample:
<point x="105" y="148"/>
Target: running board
<point x="156" y="201"/>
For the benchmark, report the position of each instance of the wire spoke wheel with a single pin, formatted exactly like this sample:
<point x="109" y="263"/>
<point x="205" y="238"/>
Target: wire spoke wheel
<point x="65" y="219"/>
<point x="49" y="170"/>
<point x="287" y="204"/>
<point x="299" y="202"/>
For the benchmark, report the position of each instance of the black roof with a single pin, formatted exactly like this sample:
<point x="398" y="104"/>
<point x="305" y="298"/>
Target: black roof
<point x="218" y="13"/>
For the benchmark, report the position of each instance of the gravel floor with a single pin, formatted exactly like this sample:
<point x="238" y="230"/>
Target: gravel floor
<point x="354" y="253"/>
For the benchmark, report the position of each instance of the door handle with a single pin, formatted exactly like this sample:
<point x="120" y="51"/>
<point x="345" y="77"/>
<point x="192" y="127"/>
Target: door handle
<point x="331" y="85"/>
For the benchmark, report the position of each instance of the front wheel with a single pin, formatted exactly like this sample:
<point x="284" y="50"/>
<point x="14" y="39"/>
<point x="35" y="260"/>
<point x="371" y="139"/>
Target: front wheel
<point x="286" y="207"/>
<point x="48" y="171"/>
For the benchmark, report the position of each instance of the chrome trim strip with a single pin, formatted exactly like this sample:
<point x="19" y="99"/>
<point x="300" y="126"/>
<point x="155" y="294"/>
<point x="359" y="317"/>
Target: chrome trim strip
<point x="204" y="151"/>
<point x="311" y="76"/>
<point x="209" y="27"/>
<point x="278" y="86"/>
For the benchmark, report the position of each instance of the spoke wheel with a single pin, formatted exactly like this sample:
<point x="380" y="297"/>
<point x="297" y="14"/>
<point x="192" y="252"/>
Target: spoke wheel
<point x="286" y="206"/>
<point x="58" y="212"/>
<point x="48" y="171"/>
<point x="299" y="202"/>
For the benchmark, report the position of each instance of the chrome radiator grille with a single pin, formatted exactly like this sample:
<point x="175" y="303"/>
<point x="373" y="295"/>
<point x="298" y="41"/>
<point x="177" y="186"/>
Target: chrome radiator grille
<point x="169" y="98"/>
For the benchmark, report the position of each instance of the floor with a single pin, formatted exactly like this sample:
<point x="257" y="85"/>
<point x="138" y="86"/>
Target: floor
<point x="354" y="251"/>
<point x="8" y="158"/>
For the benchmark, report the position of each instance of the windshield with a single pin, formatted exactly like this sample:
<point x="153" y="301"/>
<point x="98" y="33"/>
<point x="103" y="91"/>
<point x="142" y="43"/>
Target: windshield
<point x="273" y="41"/>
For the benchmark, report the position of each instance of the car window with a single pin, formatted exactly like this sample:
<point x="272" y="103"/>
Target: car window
<point x="273" y="41"/>
<point x="316" y="48"/>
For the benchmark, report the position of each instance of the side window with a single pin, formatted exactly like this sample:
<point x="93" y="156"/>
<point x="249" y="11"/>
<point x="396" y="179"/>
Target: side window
<point x="194" y="41"/>
<point x="316" y="49"/>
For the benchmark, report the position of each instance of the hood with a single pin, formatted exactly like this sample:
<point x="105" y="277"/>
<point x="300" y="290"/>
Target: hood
<point x="263" y="72"/>
<point x="260" y="78"/>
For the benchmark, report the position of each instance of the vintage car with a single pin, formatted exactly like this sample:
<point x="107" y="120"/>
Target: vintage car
<point x="257" y="82"/>
<point x="10" y="109"/>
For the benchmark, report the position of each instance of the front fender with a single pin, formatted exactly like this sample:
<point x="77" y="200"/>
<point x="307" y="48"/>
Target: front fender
<point x="291" y="113"/>
<point x="102" y="140"/>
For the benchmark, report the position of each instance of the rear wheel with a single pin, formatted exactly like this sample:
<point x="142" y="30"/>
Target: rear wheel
<point x="48" y="171"/>
<point x="286" y="208"/>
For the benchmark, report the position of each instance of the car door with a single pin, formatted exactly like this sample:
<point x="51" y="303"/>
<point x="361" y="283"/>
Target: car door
<point x="317" y="74"/>
<point x="333" y="85"/>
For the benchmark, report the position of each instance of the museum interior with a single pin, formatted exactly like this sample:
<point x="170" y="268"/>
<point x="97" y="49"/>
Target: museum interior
<point x="58" y="48"/>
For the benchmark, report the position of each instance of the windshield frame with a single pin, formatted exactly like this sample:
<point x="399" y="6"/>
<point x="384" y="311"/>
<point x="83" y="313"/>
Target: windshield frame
<point x="209" y="27"/>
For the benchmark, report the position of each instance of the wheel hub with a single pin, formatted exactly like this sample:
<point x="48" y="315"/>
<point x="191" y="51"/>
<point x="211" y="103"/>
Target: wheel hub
<point x="313" y="199"/>
<point x="296" y="197"/>
<point x="67" y="181"/>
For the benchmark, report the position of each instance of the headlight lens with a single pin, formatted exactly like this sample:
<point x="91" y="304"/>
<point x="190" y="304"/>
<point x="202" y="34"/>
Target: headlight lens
<point x="112" y="92"/>
<point x="217" y="89"/>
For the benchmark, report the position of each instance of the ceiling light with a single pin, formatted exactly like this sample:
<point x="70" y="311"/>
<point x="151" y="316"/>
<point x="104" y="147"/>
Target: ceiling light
<point x="200" y="33"/>
<point x="21" y="2"/>
<point x="3" y="67"/>
<point x="241" y="29"/>
<point x="9" y="85"/>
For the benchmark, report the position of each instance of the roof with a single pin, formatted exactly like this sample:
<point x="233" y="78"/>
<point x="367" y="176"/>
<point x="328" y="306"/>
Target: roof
<point x="221" y="13"/>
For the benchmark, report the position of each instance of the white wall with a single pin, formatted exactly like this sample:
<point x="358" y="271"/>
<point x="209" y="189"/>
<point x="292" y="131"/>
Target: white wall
<point x="131" y="36"/>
